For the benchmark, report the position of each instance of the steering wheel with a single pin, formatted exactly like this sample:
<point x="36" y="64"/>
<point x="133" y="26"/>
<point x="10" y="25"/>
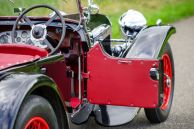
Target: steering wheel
<point x="38" y="33"/>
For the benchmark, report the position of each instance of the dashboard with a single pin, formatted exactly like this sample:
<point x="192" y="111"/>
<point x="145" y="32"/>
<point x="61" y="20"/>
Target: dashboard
<point x="21" y="36"/>
<point x="23" y="33"/>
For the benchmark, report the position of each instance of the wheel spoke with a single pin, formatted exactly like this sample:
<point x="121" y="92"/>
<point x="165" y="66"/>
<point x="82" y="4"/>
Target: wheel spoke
<point x="28" y="20"/>
<point x="39" y="126"/>
<point x="51" y="19"/>
<point x="48" y="44"/>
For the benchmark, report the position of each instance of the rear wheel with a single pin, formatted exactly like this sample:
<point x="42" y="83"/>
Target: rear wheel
<point x="160" y="114"/>
<point x="36" y="113"/>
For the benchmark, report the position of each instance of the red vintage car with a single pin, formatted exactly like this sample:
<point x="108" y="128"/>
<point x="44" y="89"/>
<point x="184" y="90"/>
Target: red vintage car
<point x="62" y="68"/>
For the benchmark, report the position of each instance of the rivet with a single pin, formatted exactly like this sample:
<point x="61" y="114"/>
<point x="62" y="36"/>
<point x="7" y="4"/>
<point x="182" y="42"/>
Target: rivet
<point x="155" y="64"/>
<point x="109" y="102"/>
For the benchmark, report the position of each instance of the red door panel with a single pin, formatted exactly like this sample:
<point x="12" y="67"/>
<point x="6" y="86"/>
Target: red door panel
<point x="123" y="82"/>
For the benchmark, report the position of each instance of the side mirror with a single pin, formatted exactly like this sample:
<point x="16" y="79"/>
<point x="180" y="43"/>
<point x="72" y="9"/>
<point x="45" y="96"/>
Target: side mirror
<point x="91" y="9"/>
<point x="159" y="22"/>
<point x="94" y="8"/>
<point x="18" y="10"/>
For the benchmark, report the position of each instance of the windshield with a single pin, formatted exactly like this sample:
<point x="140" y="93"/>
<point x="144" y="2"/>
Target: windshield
<point x="67" y="6"/>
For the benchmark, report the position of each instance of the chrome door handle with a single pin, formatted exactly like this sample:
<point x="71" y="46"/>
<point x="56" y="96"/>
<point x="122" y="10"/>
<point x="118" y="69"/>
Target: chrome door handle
<point x="124" y="61"/>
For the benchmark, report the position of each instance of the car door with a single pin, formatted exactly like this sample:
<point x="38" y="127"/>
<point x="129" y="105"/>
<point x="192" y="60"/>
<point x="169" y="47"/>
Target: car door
<point x="119" y="81"/>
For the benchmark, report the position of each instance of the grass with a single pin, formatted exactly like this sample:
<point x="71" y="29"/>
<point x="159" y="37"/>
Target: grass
<point x="167" y="10"/>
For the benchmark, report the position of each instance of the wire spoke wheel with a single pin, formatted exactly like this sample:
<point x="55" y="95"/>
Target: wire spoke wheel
<point x="36" y="113"/>
<point x="37" y="123"/>
<point x="167" y="80"/>
<point x="161" y="113"/>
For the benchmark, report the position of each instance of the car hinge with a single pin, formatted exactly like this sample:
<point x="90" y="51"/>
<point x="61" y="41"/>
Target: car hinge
<point x="85" y="75"/>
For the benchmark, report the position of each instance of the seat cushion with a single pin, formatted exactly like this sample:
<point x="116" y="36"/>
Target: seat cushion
<point x="15" y="54"/>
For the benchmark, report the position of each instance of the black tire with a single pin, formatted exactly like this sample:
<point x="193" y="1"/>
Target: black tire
<point x="33" y="107"/>
<point x="159" y="115"/>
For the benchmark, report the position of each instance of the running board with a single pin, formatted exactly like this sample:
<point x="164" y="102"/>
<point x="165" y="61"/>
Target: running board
<point x="82" y="114"/>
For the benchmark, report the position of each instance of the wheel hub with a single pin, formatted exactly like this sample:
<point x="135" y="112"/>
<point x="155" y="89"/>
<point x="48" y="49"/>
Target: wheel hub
<point x="38" y="32"/>
<point x="168" y="81"/>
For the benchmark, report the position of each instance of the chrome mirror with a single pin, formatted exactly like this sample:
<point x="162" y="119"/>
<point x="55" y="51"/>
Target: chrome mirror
<point x="18" y="10"/>
<point x="93" y="8"/>
<point x="159" y="22"/>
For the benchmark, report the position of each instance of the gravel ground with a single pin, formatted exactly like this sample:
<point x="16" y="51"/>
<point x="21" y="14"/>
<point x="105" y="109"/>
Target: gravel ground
<point x="182" y="113"/>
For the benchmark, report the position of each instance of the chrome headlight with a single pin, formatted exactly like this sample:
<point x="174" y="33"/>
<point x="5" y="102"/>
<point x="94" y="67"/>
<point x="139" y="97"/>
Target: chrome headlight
<point x="132" y="22"/>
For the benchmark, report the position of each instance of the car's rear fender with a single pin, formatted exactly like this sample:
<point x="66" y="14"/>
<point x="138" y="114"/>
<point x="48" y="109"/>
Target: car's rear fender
<point x="14" y="88"/>
<point x="150" y="42"/>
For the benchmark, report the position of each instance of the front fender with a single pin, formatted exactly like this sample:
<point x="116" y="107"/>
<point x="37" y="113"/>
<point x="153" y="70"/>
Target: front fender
<point x="150" y="42"/>
<point x="13" y="90"/>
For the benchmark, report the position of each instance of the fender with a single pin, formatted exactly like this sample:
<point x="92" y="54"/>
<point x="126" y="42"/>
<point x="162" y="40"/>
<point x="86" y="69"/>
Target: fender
<point x="13" y="90"/>
<point x="150" y="42"/>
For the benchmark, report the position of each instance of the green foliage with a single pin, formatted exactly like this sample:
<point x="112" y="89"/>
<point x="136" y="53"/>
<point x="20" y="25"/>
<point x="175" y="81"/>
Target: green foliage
<point x="167" y="10"/>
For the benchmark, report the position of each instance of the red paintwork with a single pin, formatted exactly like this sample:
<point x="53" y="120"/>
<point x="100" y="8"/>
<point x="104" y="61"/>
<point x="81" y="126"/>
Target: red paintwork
<point x="37" y="123"/>
<point x="168" y="71"/>
<point x="14" y="54"/>
<point x="123" y="82"/>
<point x="57" y="71"/>
<point x="75" y="102"/>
